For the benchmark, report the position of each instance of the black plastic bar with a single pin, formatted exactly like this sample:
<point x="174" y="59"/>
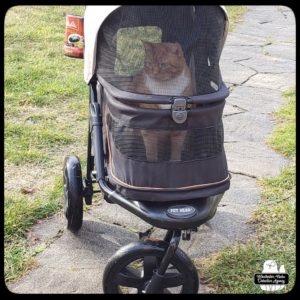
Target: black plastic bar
<point x="89" y="165"/>
<point x="168" y="236"/>
<point x="217" y="96"/>
<point x="148" y="216"/>
<point x="123" y="202"/>
<point x="89" y="158"/>
<point x="155" y="283"/>
<point x="155" y="214"/>
<point x="170" y="252"/>
<point x="96" y="128"/>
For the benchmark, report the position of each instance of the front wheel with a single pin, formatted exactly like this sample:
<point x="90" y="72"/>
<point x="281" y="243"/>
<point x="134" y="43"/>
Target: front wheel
<point x="73" y="193"/>
<point x="130" y="269"/>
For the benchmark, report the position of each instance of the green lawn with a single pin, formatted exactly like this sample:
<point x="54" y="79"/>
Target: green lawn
<point x="235" y="13"/>
<point x="232" y="269"/>
<point x="45" y="119"/>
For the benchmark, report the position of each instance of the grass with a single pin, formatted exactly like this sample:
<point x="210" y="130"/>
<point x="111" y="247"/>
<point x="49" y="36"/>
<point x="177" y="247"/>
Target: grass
<point x="130" y="62"/>
<point x="284" y="137"/>
<point x="21" y="212"/>
<point x="45" y="110"/>
<point x="235" y="12"/>
<point x="17" y="260"/>
<point x="28" y="143"/>
<point x="35" y="67"/>
<point x="45" y="113"/>
<point x="232" y="269"/>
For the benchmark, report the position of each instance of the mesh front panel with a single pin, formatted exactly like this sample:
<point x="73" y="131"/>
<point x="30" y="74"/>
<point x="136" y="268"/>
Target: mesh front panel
<point x="162" y="50"/>
<point x="191" y="144"/>
<point x="150" y="157"/>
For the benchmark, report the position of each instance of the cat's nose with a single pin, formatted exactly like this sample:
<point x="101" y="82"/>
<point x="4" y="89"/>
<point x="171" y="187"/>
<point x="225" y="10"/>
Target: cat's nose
<point x="156" y="70"/>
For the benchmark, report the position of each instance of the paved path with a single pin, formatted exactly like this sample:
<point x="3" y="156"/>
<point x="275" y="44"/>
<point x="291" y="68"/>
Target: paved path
<point x="258" y="63"/>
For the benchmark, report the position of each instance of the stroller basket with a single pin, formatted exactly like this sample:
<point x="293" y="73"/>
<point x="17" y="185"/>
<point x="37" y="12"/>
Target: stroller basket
<point x="199" y="170"/>
<point x="162" y="98"/>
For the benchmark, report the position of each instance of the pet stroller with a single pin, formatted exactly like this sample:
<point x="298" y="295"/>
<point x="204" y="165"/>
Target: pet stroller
<point x="157" y="152"/>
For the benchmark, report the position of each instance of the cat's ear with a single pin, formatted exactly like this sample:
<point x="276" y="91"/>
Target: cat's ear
<point x="147" y="46"/>
<point x="177" y="49"/>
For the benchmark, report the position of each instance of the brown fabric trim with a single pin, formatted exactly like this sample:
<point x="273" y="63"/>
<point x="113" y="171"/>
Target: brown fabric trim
<point x="124" y="184"/>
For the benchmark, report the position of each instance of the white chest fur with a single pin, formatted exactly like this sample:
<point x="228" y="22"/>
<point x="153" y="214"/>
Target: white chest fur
<point x="173" y="87"/>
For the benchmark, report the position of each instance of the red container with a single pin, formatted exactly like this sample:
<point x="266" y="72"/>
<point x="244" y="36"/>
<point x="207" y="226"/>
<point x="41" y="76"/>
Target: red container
<point x="74" y="36"/>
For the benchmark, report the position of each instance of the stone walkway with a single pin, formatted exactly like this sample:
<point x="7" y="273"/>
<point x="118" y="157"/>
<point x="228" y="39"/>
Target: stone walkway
<point x="258" y="64"/>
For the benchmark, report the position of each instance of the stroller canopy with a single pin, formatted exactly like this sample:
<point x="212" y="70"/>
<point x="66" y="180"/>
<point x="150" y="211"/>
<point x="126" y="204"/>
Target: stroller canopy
<point x="115" y="38"/>
<point x="156" y="70"/>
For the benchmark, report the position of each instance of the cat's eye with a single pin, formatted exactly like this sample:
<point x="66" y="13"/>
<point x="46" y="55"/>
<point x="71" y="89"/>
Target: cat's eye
<point x="163" y="65"/>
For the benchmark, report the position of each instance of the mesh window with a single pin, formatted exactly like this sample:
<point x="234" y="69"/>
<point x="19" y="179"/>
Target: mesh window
<point x="162" y="50"/>
<point x="166" y="145"/>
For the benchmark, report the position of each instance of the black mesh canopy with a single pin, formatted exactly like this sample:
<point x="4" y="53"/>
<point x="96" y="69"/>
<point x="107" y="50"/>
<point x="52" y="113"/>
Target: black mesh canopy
<point x="163" y="50"/>
<point x="162" y="100"/>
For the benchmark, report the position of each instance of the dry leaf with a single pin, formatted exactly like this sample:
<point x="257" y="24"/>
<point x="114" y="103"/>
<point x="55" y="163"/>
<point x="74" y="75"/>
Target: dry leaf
<point x="26" y="190"/>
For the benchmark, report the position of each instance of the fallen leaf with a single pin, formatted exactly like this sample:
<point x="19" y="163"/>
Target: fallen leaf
<point x="26" y="190"/>
<point x="31" y="236"/>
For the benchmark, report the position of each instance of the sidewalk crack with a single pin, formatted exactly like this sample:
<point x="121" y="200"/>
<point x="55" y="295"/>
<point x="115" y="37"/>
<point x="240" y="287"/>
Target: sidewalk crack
<point x="243" y="174"/>
<point x="233" y="114"/>
<point x="238" y="60"/>
<point x="238" y="107"/>
<point x="282" y="12"/>
<point x="265" y="22"/>
<point x="249" y="77"/>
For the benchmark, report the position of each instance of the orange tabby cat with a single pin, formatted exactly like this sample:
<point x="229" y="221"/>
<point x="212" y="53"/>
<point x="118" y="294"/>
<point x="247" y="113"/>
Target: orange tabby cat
<point x="165" y="72"/>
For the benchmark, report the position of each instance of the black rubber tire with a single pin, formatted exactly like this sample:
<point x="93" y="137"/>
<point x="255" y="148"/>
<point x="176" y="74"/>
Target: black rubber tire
<point x="73" y="193"/>
<point x="137" y="250"/>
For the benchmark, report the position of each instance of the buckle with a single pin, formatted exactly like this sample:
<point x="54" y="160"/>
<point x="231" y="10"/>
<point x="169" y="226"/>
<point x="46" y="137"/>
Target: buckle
<point x="179" y="112"/>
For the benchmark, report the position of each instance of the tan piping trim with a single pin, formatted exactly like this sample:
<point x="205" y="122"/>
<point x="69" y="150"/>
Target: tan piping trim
<point x="124" y="184"/>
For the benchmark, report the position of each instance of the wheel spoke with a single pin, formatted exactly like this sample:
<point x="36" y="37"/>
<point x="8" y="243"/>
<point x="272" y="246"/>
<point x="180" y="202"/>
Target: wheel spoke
<point x="129" y="277"/>
<point x="150" y="264"/>
<point x="172" y="280"/>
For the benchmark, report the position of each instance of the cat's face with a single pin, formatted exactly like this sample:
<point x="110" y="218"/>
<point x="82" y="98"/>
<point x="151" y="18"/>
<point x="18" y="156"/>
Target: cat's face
<point x="163" y="61"/>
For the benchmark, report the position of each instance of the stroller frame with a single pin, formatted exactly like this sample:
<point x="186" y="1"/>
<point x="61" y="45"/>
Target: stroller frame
<point x="178" y="217"/>
<point x="150" y="212"/>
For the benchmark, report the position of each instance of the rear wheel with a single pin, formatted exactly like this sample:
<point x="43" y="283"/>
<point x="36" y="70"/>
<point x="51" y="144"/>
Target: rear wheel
<point x="131" y="268"/>
<point x="73" y="193"/>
